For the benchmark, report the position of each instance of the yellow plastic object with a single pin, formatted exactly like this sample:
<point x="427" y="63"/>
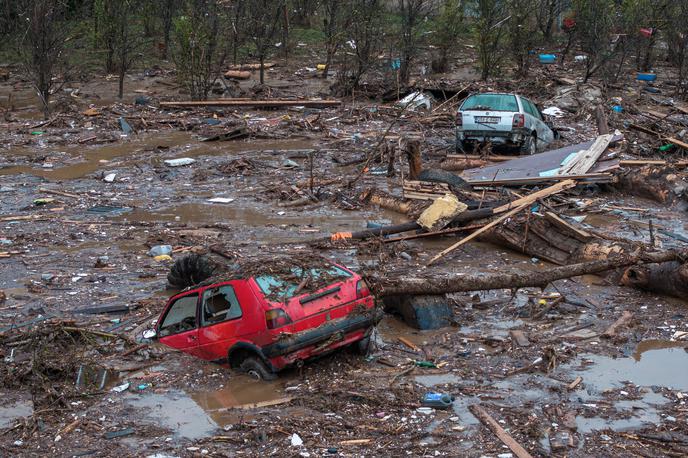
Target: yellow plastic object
<point x="163" y="257"/>
<point x="320" y="67"/>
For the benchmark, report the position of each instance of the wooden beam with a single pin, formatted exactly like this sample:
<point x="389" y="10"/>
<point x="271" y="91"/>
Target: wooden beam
<point x="586" y="159"/>
<point x="498" y="431"/>
<point x="479" y="157"/>
<point x="644" y="162"/>
<point x="578" y="233"/>
<point x="530" y="198"/>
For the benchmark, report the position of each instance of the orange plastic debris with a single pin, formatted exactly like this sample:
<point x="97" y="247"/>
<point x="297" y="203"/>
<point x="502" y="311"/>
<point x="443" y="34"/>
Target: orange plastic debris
<point x="340" y="236"/>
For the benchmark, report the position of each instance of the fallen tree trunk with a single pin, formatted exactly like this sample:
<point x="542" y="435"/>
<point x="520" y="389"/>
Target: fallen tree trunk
<point x="432" y="284"/>
<point x="661" y="184"/>
<point x="455" y="165"/>
<point x="670" y="278"/>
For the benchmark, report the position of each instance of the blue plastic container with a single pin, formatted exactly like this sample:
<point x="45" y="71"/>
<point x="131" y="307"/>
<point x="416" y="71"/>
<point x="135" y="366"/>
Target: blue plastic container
<point x="437" y="400"/>
<point x="617" y="108"/>
<point x="646" y="76"/>
<point x="547" y="58"/>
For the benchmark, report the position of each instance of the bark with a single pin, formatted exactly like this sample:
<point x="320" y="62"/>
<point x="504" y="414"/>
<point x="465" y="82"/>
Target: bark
<point x="602" y="125"/>
<point x="462" y="164"/>
<point x="669" y="278"/>
<point x="412" y="150"/>
<point x="432" y="284"/>
<point x="397" y="204"/>
<point x="658" y="183"/>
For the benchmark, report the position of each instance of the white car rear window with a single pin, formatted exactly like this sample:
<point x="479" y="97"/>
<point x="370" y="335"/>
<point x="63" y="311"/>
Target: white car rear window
<point x="490" y="102"/>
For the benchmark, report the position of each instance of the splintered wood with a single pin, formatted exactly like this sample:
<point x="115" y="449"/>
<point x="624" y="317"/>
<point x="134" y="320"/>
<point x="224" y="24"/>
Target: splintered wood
<point x="523" y="203"/>
<point x="586" y="159"/>
<point x="423" y="190"/>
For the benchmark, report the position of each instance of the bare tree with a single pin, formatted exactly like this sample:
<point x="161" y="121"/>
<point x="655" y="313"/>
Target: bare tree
<point x="42" y="46"/>
<point x="126" y="42"/>
<point x="594" y="21"/>
<point x="546" y="13"/>
<point x="337" y="19"/>
<point x="677" y="43"/>
<point x="489" y="32"/>
<point x="364" y="40"/>
<point x="263" y="18"/>
<point x="168" y="10"/>
<point x="412" y="12"/>
<point x="199" y="52"/>
<point x="450" y="26"/>
<point x="522" y="32"/>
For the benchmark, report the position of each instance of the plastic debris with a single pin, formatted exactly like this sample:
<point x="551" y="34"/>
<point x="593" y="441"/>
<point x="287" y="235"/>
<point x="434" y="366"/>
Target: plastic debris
<point x="158" y="250"/>
<point x="417" y="100"/>
<point x="296" y="440"/>
<point x="182" y="161"/>
<point x="121" y="388"/>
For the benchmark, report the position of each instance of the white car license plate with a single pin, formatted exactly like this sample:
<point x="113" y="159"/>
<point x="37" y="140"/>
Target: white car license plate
<point x="487" y="119"/>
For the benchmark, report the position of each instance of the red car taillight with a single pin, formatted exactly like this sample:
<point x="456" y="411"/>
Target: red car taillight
<point x="459" y="120"/>
<point x="519" y="120"/>
<point x="276" y="318"/>
<point x="362" y="289"/>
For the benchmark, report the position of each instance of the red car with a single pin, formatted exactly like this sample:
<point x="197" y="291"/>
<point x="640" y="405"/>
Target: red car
<point x="263" y="324"/>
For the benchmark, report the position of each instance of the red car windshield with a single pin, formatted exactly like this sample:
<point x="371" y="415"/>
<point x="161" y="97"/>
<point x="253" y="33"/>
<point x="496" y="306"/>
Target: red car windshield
<point x="284" y="287"/>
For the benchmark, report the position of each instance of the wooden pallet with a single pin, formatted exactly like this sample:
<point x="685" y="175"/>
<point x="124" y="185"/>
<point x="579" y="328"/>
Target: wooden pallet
<point x="424" y="190"/>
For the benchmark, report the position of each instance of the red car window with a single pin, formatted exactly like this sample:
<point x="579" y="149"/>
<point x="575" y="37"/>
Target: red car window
<point x="180" y="317"/>
<point x="220" y="304"/>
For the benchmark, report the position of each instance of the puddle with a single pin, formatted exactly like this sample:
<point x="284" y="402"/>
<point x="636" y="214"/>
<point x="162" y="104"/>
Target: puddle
<point x="177" y="411"/>
<point x="637" y="412"/>
<point x="436" y="379"/>
<point x="196" y="415"/>
<point x="136" y="147"/>
<point x="9" y="414"/>
<point x="650" y="366"/>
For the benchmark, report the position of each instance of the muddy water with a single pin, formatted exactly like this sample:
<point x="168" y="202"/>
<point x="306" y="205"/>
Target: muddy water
<point x="653" y="364"/>
<point x="86" y="160"/>
<point x="13" y="411"/>
<point x="193" y="415"/>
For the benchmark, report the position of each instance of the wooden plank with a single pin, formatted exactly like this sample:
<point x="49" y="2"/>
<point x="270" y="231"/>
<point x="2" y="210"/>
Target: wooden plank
<point x="254" y="103"/>
<point x="677" y="142"/>
<point x="623" y="320"/>
<point x="644" y="162"/>
<point x="498" y="431"/>
<point x="580" y="234"/>
<point x="575" y="383"/>
<point x="519" y="337"/>
<point x="530" y="198"/>
<point x="421" y="195"/>
<point x="585" y="159"/>
<point x="525" y="203"/>
<point x="408" y="343"/>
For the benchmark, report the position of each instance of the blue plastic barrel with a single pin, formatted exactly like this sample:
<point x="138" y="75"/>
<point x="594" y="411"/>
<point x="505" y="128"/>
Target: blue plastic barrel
<point x="547" y="58"/>
<point x="646" y="76"/>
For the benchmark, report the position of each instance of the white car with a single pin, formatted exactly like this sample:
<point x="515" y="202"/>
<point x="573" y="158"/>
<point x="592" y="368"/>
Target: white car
<point x="501" y="119"/>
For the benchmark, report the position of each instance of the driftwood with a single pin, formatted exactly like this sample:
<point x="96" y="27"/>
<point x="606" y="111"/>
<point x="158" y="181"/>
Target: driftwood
<point x="462" y="164"/>
<point x="658" y="183"/>
<point x="670" y="278"/>
<point x="268" y="103"/>
<point x="390" y="285"/>
<point x="498" y="431"/>
<point x="622" y="321"/>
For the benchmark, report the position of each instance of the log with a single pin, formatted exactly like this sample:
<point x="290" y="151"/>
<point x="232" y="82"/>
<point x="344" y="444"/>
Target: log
<point x="601" y="117"/>
<point x="670" y="278"/>
<point x="412" y="151"/>
<point x="276" y="103"/>
<point x="654" y="182"/>
<point x="390" y="202"/>
<point x="237" y="74"/>
<point x="465" y="217"/>
<point x="389" y="285"/>
<point x="482" y="415"/>
<point x="623" y="320"/>
<point x="462" y="164"/>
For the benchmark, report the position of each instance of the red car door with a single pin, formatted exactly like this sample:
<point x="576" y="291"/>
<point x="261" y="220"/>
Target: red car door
<point x="229" y="312"/>
<point x="178" y="327"/>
